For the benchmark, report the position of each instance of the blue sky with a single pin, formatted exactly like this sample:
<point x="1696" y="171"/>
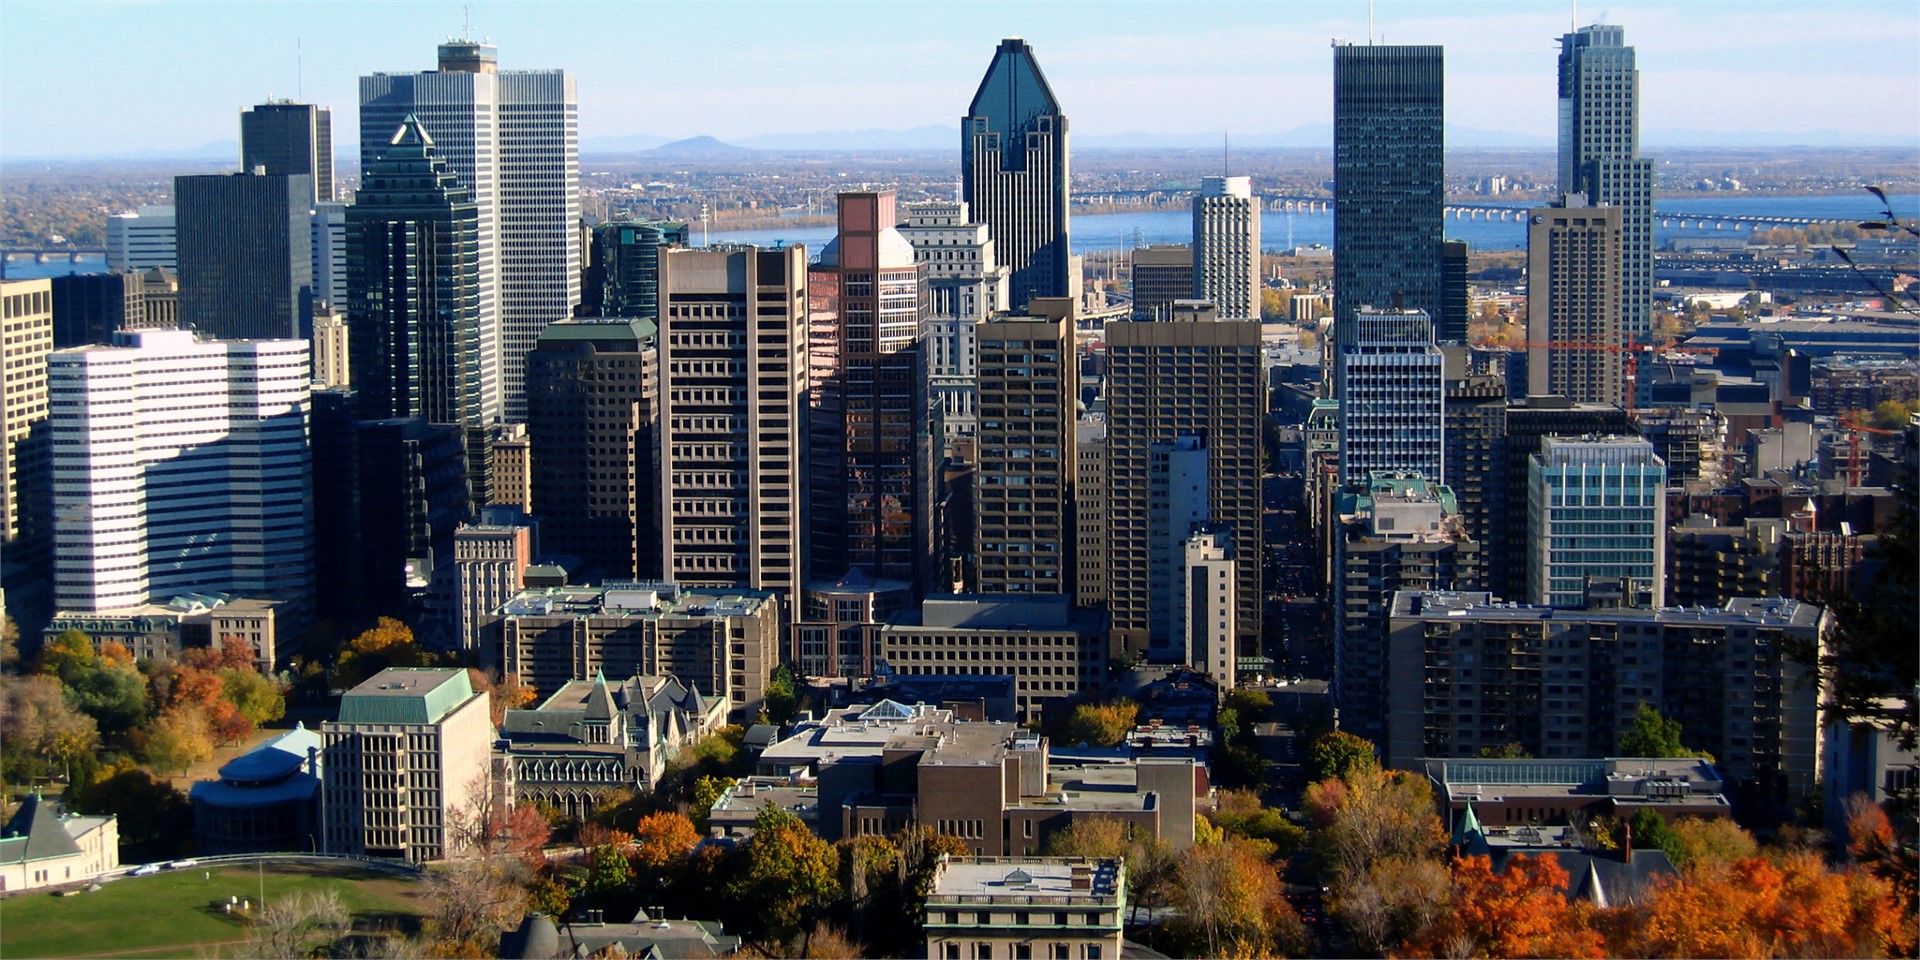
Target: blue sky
<point x="116" y="77"/>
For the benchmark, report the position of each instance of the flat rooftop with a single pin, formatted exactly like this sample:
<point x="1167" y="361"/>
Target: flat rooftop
<point x="1016" y="879"/>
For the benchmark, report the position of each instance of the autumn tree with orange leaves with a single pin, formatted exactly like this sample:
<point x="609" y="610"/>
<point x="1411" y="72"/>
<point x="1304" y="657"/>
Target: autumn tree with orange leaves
<point x="1793" y="906"/>
<point x="1522" y="911"/>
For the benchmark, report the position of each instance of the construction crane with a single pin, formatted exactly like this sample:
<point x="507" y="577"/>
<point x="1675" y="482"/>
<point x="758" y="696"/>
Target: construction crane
<point x="1854" y="429"/>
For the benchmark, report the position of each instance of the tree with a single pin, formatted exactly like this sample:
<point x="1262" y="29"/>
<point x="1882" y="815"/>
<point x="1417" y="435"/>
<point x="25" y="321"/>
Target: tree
<point x="504" y="692"/>
<point x="706" y="792"/>
<point x="112" y="693"/>
<point x="176" y="740"/>
<point x="1711" y="840"/>
<point x="155" y="820"/>
<point x="789" y="877"/>
<point x="1231" y="903"/>
<point x="782" y="697"/>
<point x="663" y="840"/>
<point x="1370" y="815"/>
<point x="1522" y="911"/>
<point x="1337" y="754"/>
<point x="257" y="698"/>
<point x="388" y="643"/>
<point x="39" y="725"/>
<point x="69" y="651"/>
<point x="1791" y="906"/>
<point x="1873" y="843"/>
<point x="1869" y="665"/>
<point x="466" y="911"/>
<point x="9" y="645"/>
<point x="1651" y="735"/>
<point x="295" y="925"/>
<point x="1102" y="724"/>
<point x="1391" y="900"/>
<point x="1239" y="813"/>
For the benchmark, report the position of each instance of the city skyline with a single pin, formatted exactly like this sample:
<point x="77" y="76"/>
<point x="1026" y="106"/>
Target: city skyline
<point x="1121" y="78"/>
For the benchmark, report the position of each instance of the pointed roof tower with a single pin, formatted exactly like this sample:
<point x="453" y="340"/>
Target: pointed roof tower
<point x="1012" y="95"/>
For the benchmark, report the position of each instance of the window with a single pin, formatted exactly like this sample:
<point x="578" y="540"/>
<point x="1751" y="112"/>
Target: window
<point x="950" y="951"/>
<point x="1060" y="951"/>
<point x="1093" y="951"/>
<point x="983" y="951"/>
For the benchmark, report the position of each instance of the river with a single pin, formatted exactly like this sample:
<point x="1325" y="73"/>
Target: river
<point x="1278" y="231"/>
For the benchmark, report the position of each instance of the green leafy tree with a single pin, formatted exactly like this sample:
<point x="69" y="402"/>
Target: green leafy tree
<point x="176" y="740"/>
<point x="783" y="697"/>
<point x="67" y="653"/>
<point x="257" y="698"/>
<point x="1102" y="724"/>
<point x="789" y="877"/>
<point x="1339" y="754"/>
<point x="706" y="792"/>
<point x="155" y="820"/>
<point x="9" y="645"/>
<point x="1650" y="734"/>
<point x="114" y="694"/>
<point x="39" y="727"/>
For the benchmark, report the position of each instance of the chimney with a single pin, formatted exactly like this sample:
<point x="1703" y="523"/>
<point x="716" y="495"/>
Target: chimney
<point x="1626" y="843"/>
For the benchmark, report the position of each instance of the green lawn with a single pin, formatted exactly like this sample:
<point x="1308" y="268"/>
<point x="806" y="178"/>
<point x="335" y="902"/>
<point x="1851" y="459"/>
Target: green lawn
<point x="169" y="914"/>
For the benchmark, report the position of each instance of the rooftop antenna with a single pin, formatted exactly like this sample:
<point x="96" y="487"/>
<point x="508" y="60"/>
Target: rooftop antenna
<point x="466" y="21"/>
<point x="1369" y="23"/>
<point x="1573" y="16"/>
<point x="1223" y="153"/>
<point x="299" y="72"/>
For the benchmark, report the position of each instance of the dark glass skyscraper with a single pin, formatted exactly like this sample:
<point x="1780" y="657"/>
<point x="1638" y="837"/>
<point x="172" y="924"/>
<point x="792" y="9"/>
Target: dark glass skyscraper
<point x="245" y="249"/>
<point x="623" y="268"/>
<point x="287" y="137"/>
<point x="1600" y="155"/>
<point x="423" y="342"/>
<point x="1389" y="191"/>
<point x="1013" y="164"/>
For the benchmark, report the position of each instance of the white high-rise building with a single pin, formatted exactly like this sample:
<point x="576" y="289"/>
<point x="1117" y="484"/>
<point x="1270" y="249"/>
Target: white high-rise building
<point x="1393" y="406"/>
<point x="964" y="286"/>
<point x="1204" y="606"/>
<point x="513" y="140"/>
<point x="142" y="240"/>
<point x="1596" y="510"/>
<point x="180" y="466"/>
<point x="1226" y="246"/>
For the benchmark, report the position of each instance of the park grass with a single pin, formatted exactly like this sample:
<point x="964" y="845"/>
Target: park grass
<point x="168" y="914"/>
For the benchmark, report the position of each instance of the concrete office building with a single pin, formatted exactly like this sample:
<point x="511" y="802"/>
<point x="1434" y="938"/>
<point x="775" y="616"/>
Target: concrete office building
<point x="1191" y="383"/>
<point x="981" y="907"/>
<point x="1226" y="246"/>
<point x="511" y="138"/>
<point x="1573" y="302"/>
<point x="424" y="342"/>
<point x="1392" y="407"/>
<point x="869" y="434"/>
<point x="1023" y="498"/>
<point x="724" y="643"/>
<point x="332" y="363"/>
<point x="1596" y="509"/>
<point x="160" y="299"/>
<point x="966" y="284"/>
<point x="834" y="630"/>
<point x="1205" y="605"/>
<point x="1599" y="88"/>
<point x="1054" y="652"/>
<point x="26" y="333"/>
<point x="1388" y="182"/>
<point x="733" y="362"/>
<point x="246" y="255"/>
<point x="181" y="466"/>
<point x="1013" y="168"/>
<point x="1528" y="422"/>
<point x="410" y="754"/>
<point x="1396" y="532"/>
<point x="143" y="239"/>
<point x="591" y="429"/>
<point x="1566" y="683"/>
<point x="1476" y="428"/>
<point x="490" y="556"/>
<point x="512" y="465"/>
<point x="1162" y="273"/>
<point x="1092" y="530"/>
<point x="283" y="137"/>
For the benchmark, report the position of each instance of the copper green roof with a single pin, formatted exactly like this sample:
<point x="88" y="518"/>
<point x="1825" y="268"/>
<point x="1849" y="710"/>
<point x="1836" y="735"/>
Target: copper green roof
<point x="407" y="695"/>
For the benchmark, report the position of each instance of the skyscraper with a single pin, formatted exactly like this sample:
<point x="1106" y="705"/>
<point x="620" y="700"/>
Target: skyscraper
<point x="246" y="258"/>
<point x="1226" y="246"/>
<point x="423" y="341"/>
<point x="623" y="268"/>
<point x="1162" y="273"/>
<point x="512" y="139"/>
<point x="1596" y="508"/>
<point x="1024" y="532"/>
<point x="1013" y="165"/>
<point x="592" y="428"/>
<point x="871" y="458"/>
<point x="1389" y="191"/>
<point x="733" y="366"/>
<point x="966" y="283"/>
<point x="1573" y="302"/>
<point x="1392" y="410"/>
<point x="1185" y="390"/>
<point x="284" y="137"/>
<point x="26" y="329"/>
<point x="1600" y="155"/>
<point x="143" y="238"/>
<point x="180" y="466"/>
